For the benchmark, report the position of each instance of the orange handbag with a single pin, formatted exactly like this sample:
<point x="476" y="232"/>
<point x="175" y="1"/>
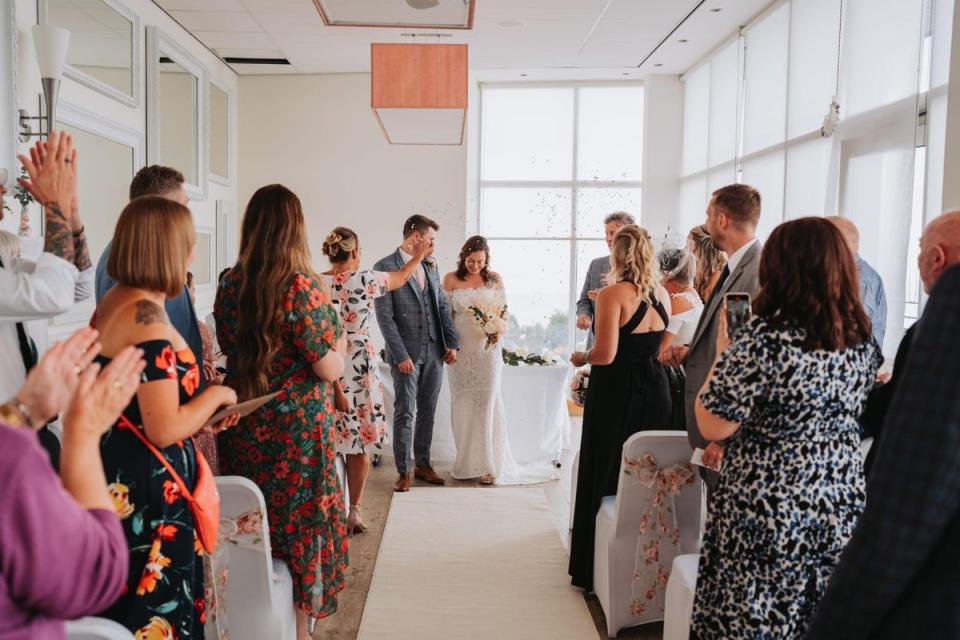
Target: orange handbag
<point x="204" y="501"/>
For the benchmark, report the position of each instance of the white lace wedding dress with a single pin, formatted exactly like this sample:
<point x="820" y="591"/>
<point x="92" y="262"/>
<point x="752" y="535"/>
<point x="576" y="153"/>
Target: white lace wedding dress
<point x="478" y="418"/>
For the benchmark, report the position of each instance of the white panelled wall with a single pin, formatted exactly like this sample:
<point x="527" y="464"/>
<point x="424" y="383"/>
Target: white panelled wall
<point x="753" y="109"/>
<point x="106" y="114"/>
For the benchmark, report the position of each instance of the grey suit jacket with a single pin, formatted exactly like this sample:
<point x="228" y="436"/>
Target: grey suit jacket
<point x="744" y="279"/>
<point x="400" y="313"/>
<point x="598" y="268"/>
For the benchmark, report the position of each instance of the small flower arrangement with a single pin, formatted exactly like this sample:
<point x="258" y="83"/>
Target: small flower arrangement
<point x="578" y="388"/>
<point x="492" y="321"/>
<point x="522" y="355"/>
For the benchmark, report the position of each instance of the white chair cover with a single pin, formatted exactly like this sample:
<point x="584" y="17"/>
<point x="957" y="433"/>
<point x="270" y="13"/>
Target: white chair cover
<point x="681" y="589"/>
<point x="97" y="629"/>
<point x="259" y="590"/>
<point x="654" y="517"/>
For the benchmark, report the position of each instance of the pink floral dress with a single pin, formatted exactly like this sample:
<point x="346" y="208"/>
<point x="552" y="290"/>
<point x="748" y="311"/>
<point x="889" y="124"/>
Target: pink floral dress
<point x="365" y="423"/>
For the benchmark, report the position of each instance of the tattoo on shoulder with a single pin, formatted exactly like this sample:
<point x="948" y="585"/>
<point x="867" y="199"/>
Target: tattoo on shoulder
<point x="150" y="313"/>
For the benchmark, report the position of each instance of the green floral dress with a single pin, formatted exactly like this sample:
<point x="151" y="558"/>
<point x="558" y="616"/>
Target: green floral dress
<point x="288" y="447"/>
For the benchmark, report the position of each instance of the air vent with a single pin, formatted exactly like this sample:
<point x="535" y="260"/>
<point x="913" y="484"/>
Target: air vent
<point x="272" y="61"/>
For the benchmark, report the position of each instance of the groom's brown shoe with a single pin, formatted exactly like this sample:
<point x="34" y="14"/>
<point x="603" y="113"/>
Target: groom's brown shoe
<point x="426" y="473"/>
<point x="402" y="484"/>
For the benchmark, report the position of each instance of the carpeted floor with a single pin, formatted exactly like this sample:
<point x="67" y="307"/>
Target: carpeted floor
<point x="345" y="624"/>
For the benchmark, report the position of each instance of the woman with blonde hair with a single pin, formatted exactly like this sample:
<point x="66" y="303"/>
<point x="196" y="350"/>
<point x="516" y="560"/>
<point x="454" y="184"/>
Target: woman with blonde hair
<point x="361" y="421"/>
<point x="280" y="333"/>
<point x="710" y="261"/>
<point x="152" y="247"/>
<point x="628" y="389"/>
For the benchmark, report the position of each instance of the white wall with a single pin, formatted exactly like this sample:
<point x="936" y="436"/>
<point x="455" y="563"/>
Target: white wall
<point x="662" y="131"/>
<point x="317" y="135"/>
<point x="112" y="112"/>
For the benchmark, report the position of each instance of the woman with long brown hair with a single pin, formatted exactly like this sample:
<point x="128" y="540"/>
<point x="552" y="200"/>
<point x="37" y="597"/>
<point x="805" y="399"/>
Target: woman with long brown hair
<point x="280" y="333"/>
<point x="628" y="389"/>
<point x="785" y="397"/>
<point x="710" y="261"/>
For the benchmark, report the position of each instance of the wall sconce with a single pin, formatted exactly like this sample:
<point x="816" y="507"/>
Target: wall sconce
<point x="50" y="44"/>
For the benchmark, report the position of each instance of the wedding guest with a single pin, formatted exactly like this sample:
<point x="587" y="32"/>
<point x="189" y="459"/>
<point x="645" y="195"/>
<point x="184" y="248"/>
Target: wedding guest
<point x="61" y="276"/>
<point x="732" y="218"/>
<point x="420" y="336"/>
<point x="939" y="251"/>
<point x="677" y="269"/>
<point x="205" y="440"/>
<point x="710" y="261"/>
<point x="596" y="272"/>
<point x="476" y="404"/>
<point x="152" y="247"/>
<point x="785" y="395"/>
<point x="897" y="577"/>
<point x="280" y="333"/>
<point x="871" y="286"/>
<point x="361" y="421"/>
<point x="65" y="524"/>
<point x="628" y="389"/>
<point x="157" y="180"/>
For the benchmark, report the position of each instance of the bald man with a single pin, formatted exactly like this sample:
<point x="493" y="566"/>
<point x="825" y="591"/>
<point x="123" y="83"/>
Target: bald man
<point x="872" y="294"/>
<point x="939" y="250"/>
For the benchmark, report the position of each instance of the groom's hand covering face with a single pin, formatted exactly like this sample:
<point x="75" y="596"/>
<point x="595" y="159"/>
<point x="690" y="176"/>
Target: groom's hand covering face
<point x="428" y="237"/>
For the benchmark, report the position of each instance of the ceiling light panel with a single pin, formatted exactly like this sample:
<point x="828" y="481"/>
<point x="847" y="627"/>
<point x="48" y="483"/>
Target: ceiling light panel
<point x="447" y="14"/>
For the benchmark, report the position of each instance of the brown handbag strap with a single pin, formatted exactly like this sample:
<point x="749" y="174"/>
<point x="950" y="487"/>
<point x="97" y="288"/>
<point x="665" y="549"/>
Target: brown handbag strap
<point x="126" y="424"/>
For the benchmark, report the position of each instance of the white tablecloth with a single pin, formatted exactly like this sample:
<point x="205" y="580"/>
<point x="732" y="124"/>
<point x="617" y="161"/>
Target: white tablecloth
<point x="535" y="400"/>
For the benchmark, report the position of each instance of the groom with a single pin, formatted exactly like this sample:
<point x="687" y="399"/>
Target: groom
<point x="416" y="323"/>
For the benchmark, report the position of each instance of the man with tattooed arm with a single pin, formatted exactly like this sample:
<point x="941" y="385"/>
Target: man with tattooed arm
<point x="61" y="276"/>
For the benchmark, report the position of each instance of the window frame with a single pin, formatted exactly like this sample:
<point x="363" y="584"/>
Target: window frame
<point x="574" y="185"/>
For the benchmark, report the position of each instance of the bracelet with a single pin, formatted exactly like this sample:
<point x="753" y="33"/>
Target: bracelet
<point x="16" y="414"/>
<point x="77" y="234"/>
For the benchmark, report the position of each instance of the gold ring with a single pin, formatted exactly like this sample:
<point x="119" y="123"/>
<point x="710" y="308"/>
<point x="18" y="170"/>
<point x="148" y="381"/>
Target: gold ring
<point x="117" y="384"/>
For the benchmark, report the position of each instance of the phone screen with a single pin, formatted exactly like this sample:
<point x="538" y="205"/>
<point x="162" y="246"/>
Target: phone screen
<point x="738" y="311"/>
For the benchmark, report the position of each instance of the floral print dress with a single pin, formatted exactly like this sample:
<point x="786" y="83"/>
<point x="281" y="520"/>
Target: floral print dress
<point x="791" y="488"/>
<point x="163" y="598"/>
<point x="365" y="423"/>
<point x="288" y="447"/>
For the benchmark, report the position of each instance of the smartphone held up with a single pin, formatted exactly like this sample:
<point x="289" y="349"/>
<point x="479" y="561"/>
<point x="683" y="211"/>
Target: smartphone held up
<point x="738" y="312"/>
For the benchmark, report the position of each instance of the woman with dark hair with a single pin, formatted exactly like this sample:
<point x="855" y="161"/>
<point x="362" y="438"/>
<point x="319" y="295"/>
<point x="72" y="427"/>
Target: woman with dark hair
<point x="280" y="333"/>
<point x="361" y="421"/>
<point x="785" y="396"/>
<point x="479" y="423"/>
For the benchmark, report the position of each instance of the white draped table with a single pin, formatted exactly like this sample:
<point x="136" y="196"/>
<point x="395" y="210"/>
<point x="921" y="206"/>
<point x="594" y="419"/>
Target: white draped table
<point x="535" y="400"/>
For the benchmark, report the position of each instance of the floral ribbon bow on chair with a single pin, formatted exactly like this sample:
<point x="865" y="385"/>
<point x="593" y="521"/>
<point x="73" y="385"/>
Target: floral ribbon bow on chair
<point x="658" y="540"/>
<point x="245" y="529"/>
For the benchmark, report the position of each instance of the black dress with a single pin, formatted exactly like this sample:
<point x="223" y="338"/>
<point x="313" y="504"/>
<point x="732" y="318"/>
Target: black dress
<point x="630" y="394"/>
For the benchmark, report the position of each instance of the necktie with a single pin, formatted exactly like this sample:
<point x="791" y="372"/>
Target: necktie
<point x="723" y="278"/>
<point x="28" y="351"/>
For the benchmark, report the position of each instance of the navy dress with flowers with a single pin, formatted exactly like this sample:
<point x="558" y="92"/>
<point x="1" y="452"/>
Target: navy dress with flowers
<point x="164" y="594"/>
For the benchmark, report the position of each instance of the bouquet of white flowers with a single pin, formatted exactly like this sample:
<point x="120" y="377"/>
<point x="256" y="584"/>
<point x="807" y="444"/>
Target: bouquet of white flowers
<point x="492" y="320"/>
<point x="578" y="387"/>
<point x="522" y="355"/>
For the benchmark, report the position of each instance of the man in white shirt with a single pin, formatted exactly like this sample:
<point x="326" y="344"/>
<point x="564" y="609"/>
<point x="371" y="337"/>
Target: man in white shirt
<point x="61" y="276"/>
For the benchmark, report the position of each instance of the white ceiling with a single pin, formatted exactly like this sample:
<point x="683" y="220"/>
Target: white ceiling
<point x="543" y="39"/>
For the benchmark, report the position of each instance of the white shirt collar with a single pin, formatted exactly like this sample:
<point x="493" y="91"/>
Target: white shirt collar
<point x="734" y="260"/>
<point x="406" y="256"/>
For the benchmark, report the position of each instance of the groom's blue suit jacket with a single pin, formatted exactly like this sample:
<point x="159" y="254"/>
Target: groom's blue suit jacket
<point x="400" y="313"/>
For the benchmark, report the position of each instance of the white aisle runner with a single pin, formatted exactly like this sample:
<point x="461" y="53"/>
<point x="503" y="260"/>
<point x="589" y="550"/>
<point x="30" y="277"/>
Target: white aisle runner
<point x="477" y="563"/>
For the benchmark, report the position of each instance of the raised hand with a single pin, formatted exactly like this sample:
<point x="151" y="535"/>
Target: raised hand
<point x="99" y="399"/>
<point x="52" y="179"/>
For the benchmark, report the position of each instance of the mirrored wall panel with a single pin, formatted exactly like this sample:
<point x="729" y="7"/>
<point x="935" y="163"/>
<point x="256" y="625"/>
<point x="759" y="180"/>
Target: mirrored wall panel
<point x="105" y="169"/>
<point x="104" y="44"/>
<point x="178" y="120"/>
<point x="219" y="132"/>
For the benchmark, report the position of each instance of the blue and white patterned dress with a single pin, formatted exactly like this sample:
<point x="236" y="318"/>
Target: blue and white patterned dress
<point x="791" y="490"/>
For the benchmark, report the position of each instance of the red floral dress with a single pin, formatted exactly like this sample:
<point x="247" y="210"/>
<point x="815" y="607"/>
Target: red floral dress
<point x="164" y="593"/>
<point x="288" y="447"/>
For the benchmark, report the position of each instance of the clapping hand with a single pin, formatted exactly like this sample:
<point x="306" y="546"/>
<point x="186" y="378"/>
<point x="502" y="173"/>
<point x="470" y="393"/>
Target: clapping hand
<point x="51" y="170"/>
<point x="592" y="294"/>
<point x="51" y="383"/>
<point x="98" y="399"/>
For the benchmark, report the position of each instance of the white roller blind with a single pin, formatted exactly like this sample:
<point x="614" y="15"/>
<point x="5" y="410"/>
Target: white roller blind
<point x="766" y="175"/>
<point x="696" y="116"/>
<point x="765" y="81"/>
<point x="813" y="63"/>
<point x="723" y="104"/>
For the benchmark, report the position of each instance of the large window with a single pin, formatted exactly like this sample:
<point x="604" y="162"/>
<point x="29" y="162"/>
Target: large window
<point x="554" y="161"/>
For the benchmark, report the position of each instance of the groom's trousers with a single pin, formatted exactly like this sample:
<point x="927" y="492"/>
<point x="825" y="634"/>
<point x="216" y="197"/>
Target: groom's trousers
<point x="418" y="390"/>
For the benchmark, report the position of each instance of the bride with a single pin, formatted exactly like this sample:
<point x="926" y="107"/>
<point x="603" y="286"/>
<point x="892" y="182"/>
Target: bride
<point x="479" y="421"/>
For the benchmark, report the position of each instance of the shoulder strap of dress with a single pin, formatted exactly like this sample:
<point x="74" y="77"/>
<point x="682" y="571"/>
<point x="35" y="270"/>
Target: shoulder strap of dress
<point x="636" y="318"/>
<point x="663" y="312"/>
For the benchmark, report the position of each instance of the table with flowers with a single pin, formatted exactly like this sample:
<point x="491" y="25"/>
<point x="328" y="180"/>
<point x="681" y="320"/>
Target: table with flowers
<point x="535" y="401"/>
